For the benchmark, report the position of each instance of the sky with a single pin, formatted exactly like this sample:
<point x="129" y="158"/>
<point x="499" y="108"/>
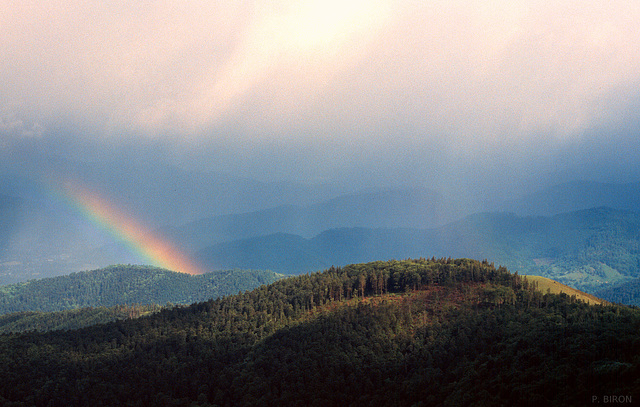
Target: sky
<point x="482" y="95"/>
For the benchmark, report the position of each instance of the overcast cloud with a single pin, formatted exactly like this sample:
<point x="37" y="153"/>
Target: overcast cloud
<point x="382" y="91"/>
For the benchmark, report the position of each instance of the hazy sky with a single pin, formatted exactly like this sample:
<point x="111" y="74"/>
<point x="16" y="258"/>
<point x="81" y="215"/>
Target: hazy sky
<point x="374" y="92"/>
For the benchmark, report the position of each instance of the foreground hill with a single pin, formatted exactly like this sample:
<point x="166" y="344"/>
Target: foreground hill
<point x="126" y="284"/>
<point x="587" y="249"/>
<point x="397" y="333"/>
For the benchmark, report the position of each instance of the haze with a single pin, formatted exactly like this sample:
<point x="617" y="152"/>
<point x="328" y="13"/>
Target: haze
<point x="164" y="105"/>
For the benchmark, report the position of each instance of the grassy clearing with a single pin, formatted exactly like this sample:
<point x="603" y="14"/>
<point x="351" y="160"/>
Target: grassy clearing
<point x="555" y="287"/>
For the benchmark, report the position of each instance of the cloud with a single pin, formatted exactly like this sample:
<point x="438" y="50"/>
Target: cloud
<point x="13" y="128"/>
<point x="310" y="80"/>
<point x="481" y="76"/>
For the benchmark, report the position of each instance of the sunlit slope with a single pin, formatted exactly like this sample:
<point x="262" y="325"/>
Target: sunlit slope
<point x="555" y="287"/>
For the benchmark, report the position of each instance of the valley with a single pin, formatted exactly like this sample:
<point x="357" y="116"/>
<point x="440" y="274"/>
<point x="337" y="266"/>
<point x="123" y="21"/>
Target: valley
<point x="591" y="248"/>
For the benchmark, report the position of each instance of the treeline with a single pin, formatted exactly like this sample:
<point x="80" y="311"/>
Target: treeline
<point x="126" y="284"/>
<point x="396" y="333"/>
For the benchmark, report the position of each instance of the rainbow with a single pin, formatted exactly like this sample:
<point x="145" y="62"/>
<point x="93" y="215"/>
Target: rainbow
<point x="122" y="226"/>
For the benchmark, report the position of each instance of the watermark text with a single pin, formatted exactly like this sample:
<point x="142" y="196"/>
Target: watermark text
<point x="611" y="399"/>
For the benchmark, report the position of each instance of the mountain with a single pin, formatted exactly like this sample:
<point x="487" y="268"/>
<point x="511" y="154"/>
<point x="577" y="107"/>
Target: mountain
<point x="279" y="252"/>
<point x="153" y="190"/>
<point x="44" y="233"/>
<point x="586" y="249"/>
<point x="293" y="254"/>
<point x="396" y="208"/>
<point x="397" y="333"/>
<point x="50" y="236"/>
<point x="577" y="195"/>
<point x="126" y="284"/>
<point x="373" y="209"/>
<point x="44" y="236"/>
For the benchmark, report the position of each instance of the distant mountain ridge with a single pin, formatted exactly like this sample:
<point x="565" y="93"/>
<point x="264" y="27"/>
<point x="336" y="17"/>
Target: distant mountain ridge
<point x="373" y="209"/>
<point x="577" y="195"/>
<point x="398" y="208"/>
<point x="586" y="249"/>
<point x="50" y="239"/>
<point x="157" y="195"/>
<point x="48" y="236"/>
<point x="491" y="234"/>
<point x="41" y="241"/>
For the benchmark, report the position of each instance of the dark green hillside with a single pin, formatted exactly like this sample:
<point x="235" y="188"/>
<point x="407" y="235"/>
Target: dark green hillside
<point x="71" y="319"/>
<point x="587" y="249"/>
<point x="625" y="293"/>
<point x="126" y="284"/>
<point x="397" y="333"/>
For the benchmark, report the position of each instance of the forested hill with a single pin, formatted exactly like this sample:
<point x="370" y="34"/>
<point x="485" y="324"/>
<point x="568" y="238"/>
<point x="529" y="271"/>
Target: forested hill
<point x="126" y="284"/>
<point x="397" y="333"/>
